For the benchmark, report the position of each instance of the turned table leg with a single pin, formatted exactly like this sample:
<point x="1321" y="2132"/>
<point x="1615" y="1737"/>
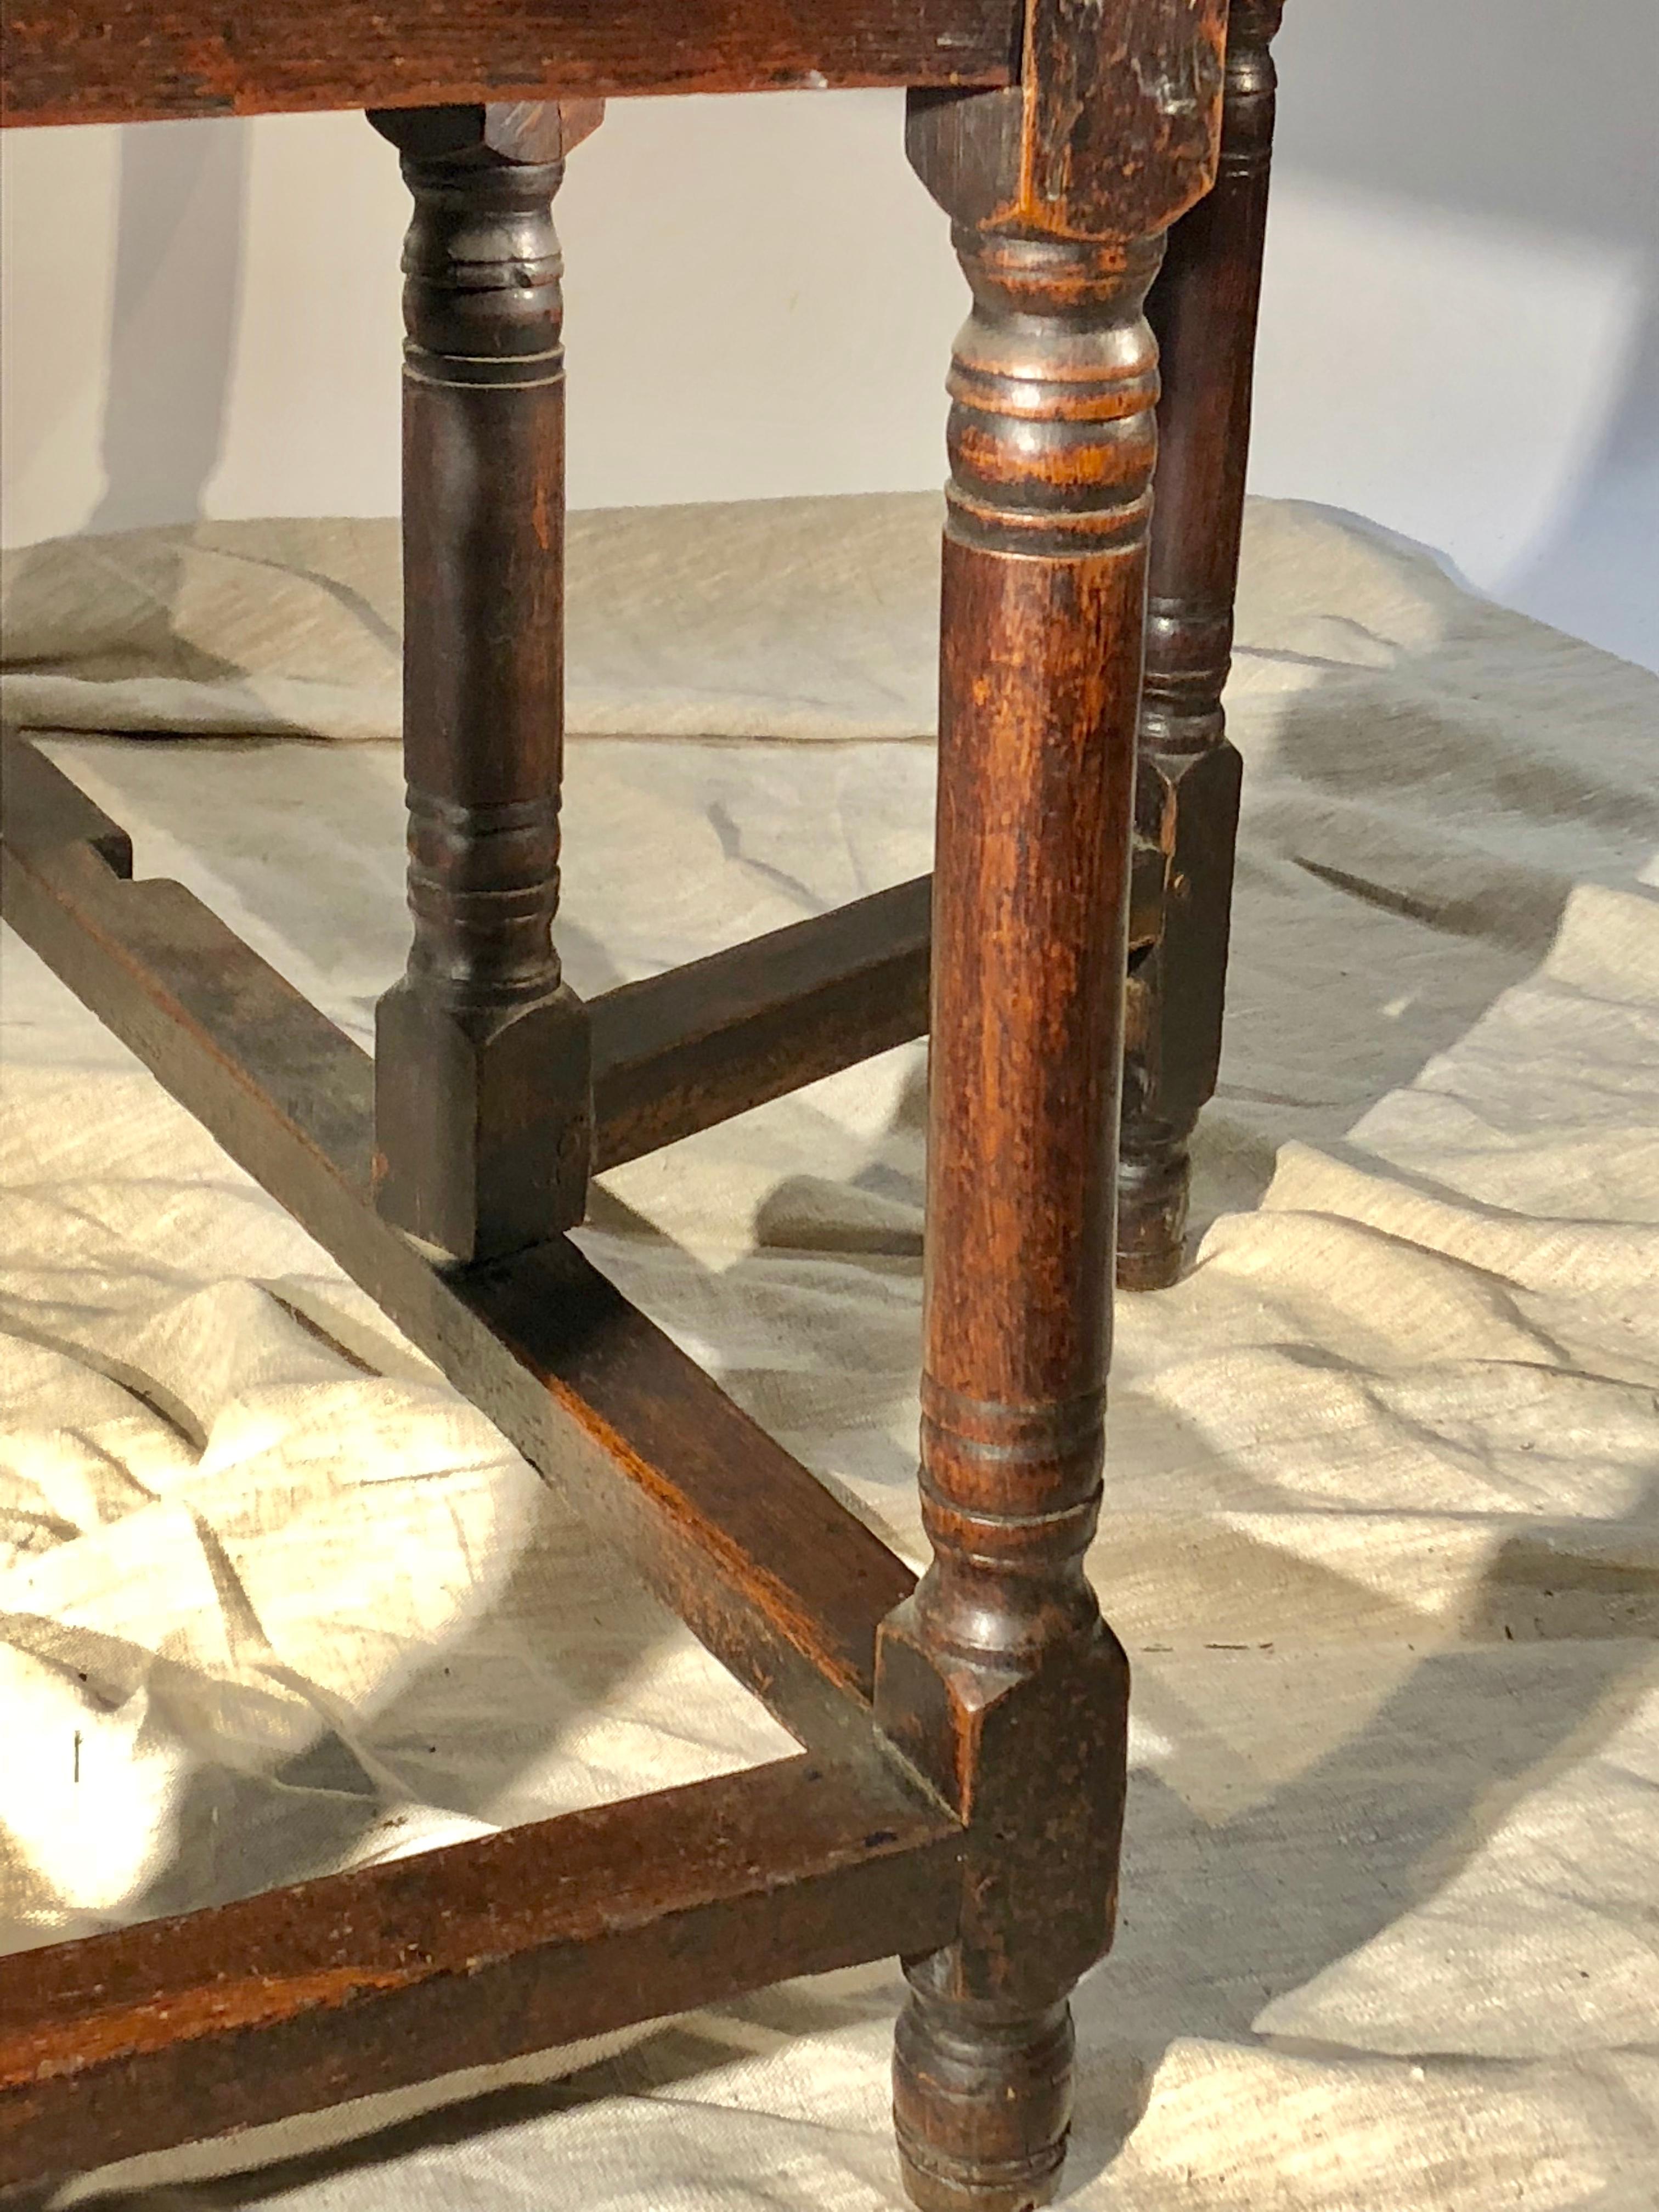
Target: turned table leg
<point x="1203" y="309"/>
<point x="998" y="1680"/>
<point x="482" y="1103"/>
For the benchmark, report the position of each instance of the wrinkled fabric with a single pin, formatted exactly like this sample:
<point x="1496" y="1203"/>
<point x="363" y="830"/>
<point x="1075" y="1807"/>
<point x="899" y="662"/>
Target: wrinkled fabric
<point x="1382" y="1520"/>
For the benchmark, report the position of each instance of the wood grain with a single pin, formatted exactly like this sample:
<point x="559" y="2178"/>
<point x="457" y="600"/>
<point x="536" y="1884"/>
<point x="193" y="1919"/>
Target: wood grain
<point x="1203" y="311"/>
<point x="79" y="61"/>
<point x="962" y="1801"/>
<point x="780" y="1583"/>
<point x="482" y="1104"/>
<point x="998" y="1679"/>
<point x="178" y="2029"/>
<point x="680" y="1051"/>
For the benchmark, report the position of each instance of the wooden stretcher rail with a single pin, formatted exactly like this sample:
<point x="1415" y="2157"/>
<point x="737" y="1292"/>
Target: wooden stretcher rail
<point x="783" y="1585"/>
<point x="179" y="2029"/>
<point x="80" y="61"/>
<point x="681" y="1051"/>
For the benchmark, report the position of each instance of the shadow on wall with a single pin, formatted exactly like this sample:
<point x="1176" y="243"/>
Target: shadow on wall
<point x="1534" y="114"/>
<point x="1523" y="110"/>
<point x="176" y="302"/>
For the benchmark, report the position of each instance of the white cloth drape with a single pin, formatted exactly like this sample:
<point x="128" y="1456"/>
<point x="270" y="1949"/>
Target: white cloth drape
<point x="1382" y="1530"/>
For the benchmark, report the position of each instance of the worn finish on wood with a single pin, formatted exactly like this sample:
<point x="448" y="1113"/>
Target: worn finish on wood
<point x="780" y="1581"/>
<point x="1203" y="309"/>
<point x="1109" y="133"/>
<point x="963" y="1798"/>
<point x="178" y="2029"/>
<point x="998" y="1679"/>
<point x="74" y="61"/>
<point x="683" y="1050"/>
<point x="483" y="1100"/>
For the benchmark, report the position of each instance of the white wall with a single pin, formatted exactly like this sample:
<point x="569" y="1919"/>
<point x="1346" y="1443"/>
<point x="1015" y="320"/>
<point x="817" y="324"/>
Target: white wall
<point x="1459" y="336"/>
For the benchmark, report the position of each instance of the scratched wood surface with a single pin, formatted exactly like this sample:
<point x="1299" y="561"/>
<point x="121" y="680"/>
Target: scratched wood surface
<point x="999" y="1678"/>
<point x="178" y="2029"/>
<point x="80" y="61"/>
<point x="994" y="1683"/>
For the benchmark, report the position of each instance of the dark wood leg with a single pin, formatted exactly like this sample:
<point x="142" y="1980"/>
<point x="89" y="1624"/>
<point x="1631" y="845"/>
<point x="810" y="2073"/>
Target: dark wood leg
<point x="481" y="1101"/>
<point x="1203" y="309"/>
<point x="998" y="1679"/>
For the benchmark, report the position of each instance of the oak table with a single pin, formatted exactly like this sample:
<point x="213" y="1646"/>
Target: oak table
<point x="958" y="1796"/>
